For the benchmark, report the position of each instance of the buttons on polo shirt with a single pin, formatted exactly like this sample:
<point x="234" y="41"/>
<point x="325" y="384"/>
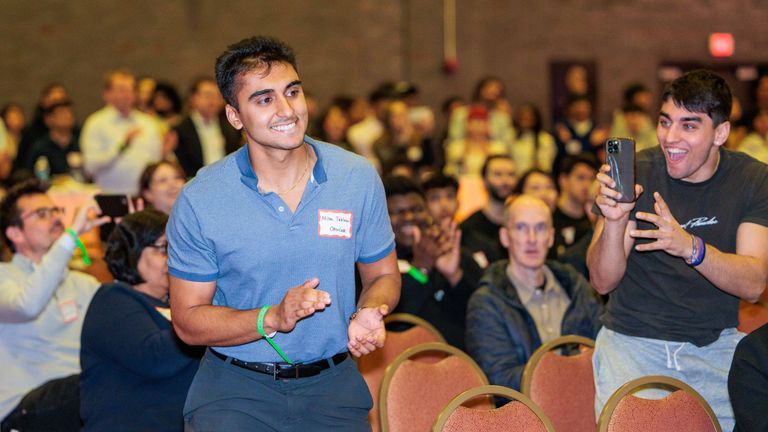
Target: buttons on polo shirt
<point x="281" y="209"/>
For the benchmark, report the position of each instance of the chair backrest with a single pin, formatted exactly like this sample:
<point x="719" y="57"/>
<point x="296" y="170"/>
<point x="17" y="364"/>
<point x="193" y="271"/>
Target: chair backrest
<point x="682" y="410"/>
<point x="372" y="366"/>
<point x="520" y="414"/>
<point x="414" y="392"/>
<point x="563" y="386"/>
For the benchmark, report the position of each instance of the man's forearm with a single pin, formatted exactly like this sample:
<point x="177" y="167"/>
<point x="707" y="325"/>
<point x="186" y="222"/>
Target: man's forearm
<point x="606" y="256"/>
<point x="742" y="276"/>
<point x="384" y="289"/>
<point x="22" y="301"/>
<point x="220" y="326"/>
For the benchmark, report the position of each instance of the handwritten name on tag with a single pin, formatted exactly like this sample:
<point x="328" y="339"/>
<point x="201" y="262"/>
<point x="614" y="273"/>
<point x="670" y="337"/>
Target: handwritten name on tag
<point x="334" y="223"/>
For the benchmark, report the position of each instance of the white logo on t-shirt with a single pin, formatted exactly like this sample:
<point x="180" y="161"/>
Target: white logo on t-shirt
<point x="700" y="221"/>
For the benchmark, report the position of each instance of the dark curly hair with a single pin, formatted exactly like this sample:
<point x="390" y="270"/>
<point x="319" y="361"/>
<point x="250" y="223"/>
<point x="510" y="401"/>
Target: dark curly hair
<point x="129" y="238"/>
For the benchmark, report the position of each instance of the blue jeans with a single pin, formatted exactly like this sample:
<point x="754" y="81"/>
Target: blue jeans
<point x="224" y="397"/>
<point x="619" y="359"/>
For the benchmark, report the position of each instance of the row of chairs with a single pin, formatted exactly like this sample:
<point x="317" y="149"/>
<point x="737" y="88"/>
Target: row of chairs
<point x="414" y="385"/>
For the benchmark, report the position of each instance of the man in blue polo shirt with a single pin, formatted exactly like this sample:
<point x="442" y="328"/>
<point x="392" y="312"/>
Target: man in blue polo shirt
<point x="262" y="251"/>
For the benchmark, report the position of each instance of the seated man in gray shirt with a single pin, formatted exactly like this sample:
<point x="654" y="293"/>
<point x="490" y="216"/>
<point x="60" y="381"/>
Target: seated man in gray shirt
<point x="526" y="300"/>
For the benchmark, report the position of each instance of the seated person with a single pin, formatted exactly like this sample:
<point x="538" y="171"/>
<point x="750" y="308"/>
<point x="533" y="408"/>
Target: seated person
<point x="136" y="371"/>
<point x="160" y="184"/>
<point x="526" y="301"/>
<point x="42" y="305"/>
<point x="441" y="191"/>
<point x="481" y="229"/>
<point x="437" y="275"/>
<point x="748" y="382"/>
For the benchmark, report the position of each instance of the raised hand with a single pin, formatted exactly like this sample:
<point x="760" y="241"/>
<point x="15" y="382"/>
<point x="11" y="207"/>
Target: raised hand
<point x="670" y="236"/>
<point x="606" y="197"/>
<point x="299" y="302"/>
<point x="86" y="218"/>
<point x="366" y="330"/>
<point x="448" y="264"/>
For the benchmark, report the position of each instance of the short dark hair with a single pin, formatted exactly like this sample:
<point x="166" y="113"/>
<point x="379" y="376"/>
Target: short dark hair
<point x="149" y="171"/>
<point x="492" y="158"/>
<point x="524" y="178"/>
<point x="245" y="56"/>
<point x="56" y="105"/>
<point x="169" y="91"/>
<point x="130" y="237"/>
<point x="701" y="91"/>
<point x="439" y="181"/>
<point x="633" y="89"/>
<point x="569" y="162"/>
<point x="401" y="185"/>
<point x="9" y="209"/>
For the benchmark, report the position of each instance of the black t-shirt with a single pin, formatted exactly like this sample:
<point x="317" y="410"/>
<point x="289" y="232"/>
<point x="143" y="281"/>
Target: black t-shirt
<point x="660" y="296"/>
<point x="479" y="234"/>
<point x="568" y="230"/>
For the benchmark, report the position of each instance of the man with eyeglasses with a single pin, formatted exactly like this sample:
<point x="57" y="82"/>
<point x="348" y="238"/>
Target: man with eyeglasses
<point x="42" y="306"/>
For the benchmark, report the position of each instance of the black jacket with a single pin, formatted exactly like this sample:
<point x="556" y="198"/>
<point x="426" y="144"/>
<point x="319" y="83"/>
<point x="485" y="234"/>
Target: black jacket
<point x="189" y="151"/>
<point x="501" y="334"/>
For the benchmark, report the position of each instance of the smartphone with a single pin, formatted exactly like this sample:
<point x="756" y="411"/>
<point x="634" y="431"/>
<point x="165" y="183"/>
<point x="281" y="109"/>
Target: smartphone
<point x="112" y="205"/>
<point x="620" y="155"/>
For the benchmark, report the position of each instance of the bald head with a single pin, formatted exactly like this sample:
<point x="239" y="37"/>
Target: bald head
<point x="527" y="233"/>
<point x="526" y="204"/>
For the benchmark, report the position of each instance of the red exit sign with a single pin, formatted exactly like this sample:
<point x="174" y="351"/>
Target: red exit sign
<point x="721" y="44"/>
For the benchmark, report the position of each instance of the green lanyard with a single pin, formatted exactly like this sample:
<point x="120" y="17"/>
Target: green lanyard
<point x="260" y="327"/>
<point x="80" y="245"/>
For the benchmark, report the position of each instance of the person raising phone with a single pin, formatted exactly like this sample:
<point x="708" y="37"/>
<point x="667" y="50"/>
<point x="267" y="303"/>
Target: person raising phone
<point x="678" y="259"/>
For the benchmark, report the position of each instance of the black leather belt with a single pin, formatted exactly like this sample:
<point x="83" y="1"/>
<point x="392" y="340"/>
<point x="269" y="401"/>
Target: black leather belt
<point x="277" y="370"/>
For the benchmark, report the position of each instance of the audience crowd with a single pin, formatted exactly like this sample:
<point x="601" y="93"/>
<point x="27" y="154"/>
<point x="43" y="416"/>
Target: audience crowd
<point x="492" y="206"/>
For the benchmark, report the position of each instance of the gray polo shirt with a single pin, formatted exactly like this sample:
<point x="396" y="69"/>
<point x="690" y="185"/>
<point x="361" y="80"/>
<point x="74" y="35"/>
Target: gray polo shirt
<point x="223" y="229"/>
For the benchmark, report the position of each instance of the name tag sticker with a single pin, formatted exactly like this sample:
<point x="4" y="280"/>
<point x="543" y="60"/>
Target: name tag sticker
<point x="334" y="223"/>
<point x="68" y="310"/>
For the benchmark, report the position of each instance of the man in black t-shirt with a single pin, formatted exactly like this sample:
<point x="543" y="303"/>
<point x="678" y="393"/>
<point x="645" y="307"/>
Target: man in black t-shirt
<point x="678" y="259"/>
<point x="481" y="229"/>
<point x="570" y="216"/>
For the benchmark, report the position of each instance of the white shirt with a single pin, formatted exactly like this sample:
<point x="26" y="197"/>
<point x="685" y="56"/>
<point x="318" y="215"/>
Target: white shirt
<point x="211" y="138"/>
<point x="42" y="307"/>
<point x="103" y="135"/>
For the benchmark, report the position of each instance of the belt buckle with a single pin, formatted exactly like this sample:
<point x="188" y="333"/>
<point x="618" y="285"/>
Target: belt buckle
<point x="277" y="369"/>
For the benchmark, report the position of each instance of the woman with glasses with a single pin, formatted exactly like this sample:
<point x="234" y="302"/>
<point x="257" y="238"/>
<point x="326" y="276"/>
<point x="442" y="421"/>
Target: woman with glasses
<point x="136" y="372"/>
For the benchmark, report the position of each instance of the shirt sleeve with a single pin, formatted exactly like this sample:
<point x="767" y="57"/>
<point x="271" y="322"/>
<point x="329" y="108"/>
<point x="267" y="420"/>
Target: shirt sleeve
<point x="757" y="208"/>
<point x="375" y="239"/>
<point x="190" y="255"/>
<point x="24" y="299"/>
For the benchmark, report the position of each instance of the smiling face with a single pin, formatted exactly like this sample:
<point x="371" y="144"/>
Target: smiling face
<point x="690" y="142"/>
<point x="164" y="187"/>
<point x="271" y="107"/>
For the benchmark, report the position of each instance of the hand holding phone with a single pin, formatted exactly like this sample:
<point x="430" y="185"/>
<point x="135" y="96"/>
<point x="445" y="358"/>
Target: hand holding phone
<point x="113" y="206"/>
<point x="620" y="156"/>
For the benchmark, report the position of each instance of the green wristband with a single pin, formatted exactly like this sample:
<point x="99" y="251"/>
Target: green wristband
<point x="418" y="275"/>
<point x="80" y="245"/>
<point x="260" y="328"/>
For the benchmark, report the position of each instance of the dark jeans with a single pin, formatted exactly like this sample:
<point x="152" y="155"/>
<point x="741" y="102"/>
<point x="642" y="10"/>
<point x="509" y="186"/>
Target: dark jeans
<point x="224" y="397"/>
<point x="52" y="407"/>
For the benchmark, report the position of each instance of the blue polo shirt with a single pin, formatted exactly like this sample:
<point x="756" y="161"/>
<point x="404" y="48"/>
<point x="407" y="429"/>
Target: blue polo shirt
<point x="224" y="229"/>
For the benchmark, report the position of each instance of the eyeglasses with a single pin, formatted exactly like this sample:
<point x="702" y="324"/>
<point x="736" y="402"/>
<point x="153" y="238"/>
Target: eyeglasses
<point x="44" y="212"/>
<point x="162" y="247"/>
